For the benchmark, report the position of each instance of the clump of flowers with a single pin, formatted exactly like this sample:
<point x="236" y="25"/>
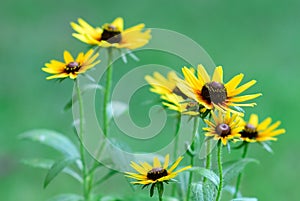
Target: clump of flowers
<point x="194" y="94"/>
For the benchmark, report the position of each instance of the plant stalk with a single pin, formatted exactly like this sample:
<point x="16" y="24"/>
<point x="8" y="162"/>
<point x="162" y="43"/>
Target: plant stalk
<point x="219" y="194"/>
<point x="80" y="135"/>
<point x="195" y="130"/>
<point x="175" y="152"/>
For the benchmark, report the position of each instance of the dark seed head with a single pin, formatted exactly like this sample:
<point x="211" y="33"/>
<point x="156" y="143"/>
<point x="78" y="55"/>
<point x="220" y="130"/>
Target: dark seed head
<point x="111" y="34"/>
<point x="157" y="173"/>
<point x="72" y="67"/>
<point x="223" y="130"/>
<point x="249" y="132"/>
<point x="214" y="92"/>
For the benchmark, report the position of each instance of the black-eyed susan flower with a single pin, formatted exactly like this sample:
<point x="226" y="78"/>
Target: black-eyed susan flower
<point x="253" y="131"/>
<point x="155" y="174"/>
<point x="111" y="34"/>
<point x="71" y="67"/>
<point x="213" y="93"/>
<point x="177" y="103"/>
<point x="164" y="85"/>
<point x="224" y="126"/>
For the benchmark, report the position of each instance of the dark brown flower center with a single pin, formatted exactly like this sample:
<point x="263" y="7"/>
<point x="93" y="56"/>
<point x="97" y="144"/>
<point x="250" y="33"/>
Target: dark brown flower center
<point x="111" y="34"/>
<point x="72" y="67"/>
<point x="249" y="132"/>
<point x="214" y="92"/>
<point x="223" y="130"/>
<point x="157" y="173"/>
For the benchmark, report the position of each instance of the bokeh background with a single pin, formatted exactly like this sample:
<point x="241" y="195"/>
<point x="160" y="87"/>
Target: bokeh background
<point x="258" y="38"/>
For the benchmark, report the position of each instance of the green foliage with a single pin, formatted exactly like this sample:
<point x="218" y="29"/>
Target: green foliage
<point x="67" y="197"/>
<point x="236" y="167"/>
<point x="52" y="139"/>
<point x="56" y="168"/>
<point x="209" y="174"/>
<point x="47" y="164"/>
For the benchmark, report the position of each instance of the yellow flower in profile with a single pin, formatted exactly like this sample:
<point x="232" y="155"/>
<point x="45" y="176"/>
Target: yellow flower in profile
<point x="257" y="132"/>
<point x="111" y="34"/>
<point x="164" y="85"/>
<point x="224" y="126"/>
<point x="177" y="103"/>
<point x="152" y="174"/>
<point x="71" y="67"/>
<point x="214" y="93"/>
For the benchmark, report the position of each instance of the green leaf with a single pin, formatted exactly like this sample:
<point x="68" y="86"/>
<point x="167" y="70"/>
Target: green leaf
<point x="197" y="190"/>
<point x="47" y="164"/>
<point x="110" y="198"/>
<point x="209" y="174"/>
<point x="245" y="199"/>
<point x="67" y="197"/>
<point x="203" y="191"/>
<point x="267" y="147"/>
<point x="56" y="168"/>
<point x="52" y="139"/>
<point x="235" y="168"/>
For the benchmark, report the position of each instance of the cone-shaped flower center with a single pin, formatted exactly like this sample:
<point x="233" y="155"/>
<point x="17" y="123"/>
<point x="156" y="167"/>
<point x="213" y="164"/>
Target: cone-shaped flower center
<point x="214" y="92"/>
<point x="223" y="130"/>
<point x="111" y="34"/>
<point x="72" y="67"/>
<point x="157" y="173"/>
<point x="249" y="132"/>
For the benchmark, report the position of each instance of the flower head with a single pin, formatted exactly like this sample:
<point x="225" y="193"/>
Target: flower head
<point x="224" y="126"/>
<point x="71" y="67"/>
<point x="111" y="34"/>
<point x="253" y="131"/>
<point x="171" y="95"/>
<point x="213" y="93"/>
<point x="151" y="174"/>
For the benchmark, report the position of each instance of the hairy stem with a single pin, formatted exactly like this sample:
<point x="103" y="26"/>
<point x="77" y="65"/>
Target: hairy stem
<point x="195" y="131"/>
<point x="109" y="73"/>
<point x="175" y="152"/>
<point x="219" y="194"/>
<point x="80" y="135"/>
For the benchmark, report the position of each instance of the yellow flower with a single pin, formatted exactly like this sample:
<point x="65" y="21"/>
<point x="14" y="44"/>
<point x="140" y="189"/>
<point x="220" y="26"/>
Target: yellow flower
<point x="177" y="103"/>
<point x="162" y="85"/>
<point x="71" y="67"/>
<point x="224" y="126"/>
<point x="213" y="93"/>
<point x="111" y="34"/>
<point x="156" y="173"/>
<point x="257" y="132"/>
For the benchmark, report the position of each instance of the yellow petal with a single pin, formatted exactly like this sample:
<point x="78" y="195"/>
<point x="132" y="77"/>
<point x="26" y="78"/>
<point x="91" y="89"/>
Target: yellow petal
<point x="68" y="57"/>
<point x="253" y="120"/>
<point x="264" y="124"/>
<point x="242" y="88"/>
<point x="156" y="162"/>
<point x="119" y="23"/>
<point x="166" y="163"/>
<point x="175" y="164"/>
<point x="138" y="168"/>
<point x="218" y="74"/>
<point x="244" y="98"/>
<point x="203" y="73"/>
<point x="234" y="82"/>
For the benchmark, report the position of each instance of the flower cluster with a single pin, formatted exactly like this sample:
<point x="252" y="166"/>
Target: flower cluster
<point x="199" y="94"/>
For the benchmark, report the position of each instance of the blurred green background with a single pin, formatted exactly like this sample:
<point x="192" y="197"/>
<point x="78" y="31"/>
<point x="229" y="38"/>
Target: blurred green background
<point x="258" y="38"/>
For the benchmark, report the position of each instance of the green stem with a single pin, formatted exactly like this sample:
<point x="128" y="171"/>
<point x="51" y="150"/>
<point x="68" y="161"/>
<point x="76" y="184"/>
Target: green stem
<point x="81" y="132"/>
<point x="105" y="116"/>
<point x="239" y="178"/>
<point x="195" y="130"/>
<point x="109" y="73"/>
<point x="219" y="194"/>
<point x="208" y="158"/>
<point x="178" y="122"/>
